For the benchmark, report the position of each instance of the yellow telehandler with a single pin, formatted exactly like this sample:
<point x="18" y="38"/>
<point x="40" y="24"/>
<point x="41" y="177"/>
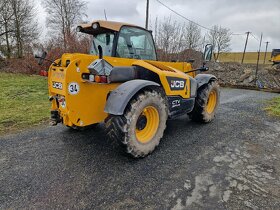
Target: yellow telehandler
<point x="121" y="82"/>
<point x="275" y="57"/>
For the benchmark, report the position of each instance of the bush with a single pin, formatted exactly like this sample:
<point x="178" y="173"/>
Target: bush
<point x="26" y="65"/>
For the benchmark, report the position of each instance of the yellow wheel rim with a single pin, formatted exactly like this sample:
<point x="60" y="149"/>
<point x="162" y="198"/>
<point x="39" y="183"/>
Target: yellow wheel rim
<point x="212" y="101"/>
<point x="147" y="124"/>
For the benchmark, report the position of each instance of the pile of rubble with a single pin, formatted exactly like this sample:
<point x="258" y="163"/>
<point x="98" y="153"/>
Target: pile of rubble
<point x="236" y="74"/>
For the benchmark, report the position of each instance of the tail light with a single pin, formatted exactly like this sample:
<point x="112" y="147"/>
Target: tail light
<point x="95" y="78"/>
<point x="103" y="79"/>
<point x="61" y="101"/>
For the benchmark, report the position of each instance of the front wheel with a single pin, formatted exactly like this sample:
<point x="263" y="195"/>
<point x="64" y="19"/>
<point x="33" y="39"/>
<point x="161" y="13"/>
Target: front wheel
<point x="141" y="127"/>
<point x="206" y="103"/>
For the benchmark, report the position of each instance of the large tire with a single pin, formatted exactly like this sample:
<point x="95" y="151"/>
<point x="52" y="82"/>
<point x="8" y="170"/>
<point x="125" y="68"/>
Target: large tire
<point x="141" y="127"/>
<point x="206" y="103"/>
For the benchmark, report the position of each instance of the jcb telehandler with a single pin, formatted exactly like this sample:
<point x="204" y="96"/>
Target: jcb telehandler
<point x="120" y="82"/>
<point x="275" y="57"/>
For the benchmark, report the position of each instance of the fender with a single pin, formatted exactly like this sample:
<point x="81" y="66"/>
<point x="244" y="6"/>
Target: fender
<point x="119" y="98"/>
<point x="203" y="79"/>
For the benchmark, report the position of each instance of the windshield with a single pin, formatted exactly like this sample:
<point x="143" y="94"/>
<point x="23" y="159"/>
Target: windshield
<point x="105" y="40"/>
<point x="135" y="43"/>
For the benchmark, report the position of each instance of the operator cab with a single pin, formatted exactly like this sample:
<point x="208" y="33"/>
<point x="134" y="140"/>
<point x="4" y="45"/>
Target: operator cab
<point x="120" y="40"/>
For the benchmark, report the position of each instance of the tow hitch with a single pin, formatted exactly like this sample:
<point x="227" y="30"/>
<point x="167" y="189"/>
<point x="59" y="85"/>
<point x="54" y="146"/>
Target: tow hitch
<point x="55" y="118"/>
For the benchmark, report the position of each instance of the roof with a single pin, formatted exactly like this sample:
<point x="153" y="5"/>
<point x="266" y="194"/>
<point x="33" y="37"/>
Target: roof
<point x="275" y="52"/>
<point x="111" y="25"/>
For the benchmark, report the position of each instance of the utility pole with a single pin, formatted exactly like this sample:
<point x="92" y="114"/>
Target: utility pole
<point x="245" y="46"/>
<point x="147" y="15"/>
<point x="105" y="14"/>
<point x="258" y="57"/>
<point x="265" y="52"/>
<point x="203" y="44"/>
<point x="156" y="29"/>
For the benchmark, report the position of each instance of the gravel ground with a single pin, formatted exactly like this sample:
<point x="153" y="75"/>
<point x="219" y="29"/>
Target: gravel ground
<point x="231" y="163"/>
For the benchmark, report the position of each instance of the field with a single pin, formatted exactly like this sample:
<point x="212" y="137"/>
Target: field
<point x="23" y="101"/>
<point x="250" y="57"/>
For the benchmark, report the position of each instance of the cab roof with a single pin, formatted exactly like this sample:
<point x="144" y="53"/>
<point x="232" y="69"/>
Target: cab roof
<point x="103" y="26"/>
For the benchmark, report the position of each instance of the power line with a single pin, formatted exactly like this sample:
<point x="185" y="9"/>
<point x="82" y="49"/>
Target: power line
<point x="234" y="34"/>
<point x="254" y="36"/>
<point x="183" y="16"/>
<point x="209" y="29"/>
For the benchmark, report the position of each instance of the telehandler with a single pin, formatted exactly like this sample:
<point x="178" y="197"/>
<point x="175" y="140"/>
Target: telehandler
<point x="120" y="82"/>
<point x="275" y="57"/>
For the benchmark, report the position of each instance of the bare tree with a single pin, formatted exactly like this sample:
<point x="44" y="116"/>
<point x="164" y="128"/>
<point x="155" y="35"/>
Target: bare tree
<point x="192" y="36"/>
<point x="25" y="26"/>
<point x="220" y="39"/>
<point x="6" y="16"/>
<point x="18" y="25"/>
<point x="63" y="15"/>
<point x="169" y="37"/>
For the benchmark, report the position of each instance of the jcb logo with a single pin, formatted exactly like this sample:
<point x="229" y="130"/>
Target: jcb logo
<point x="57" y="85"/>
<point x="176" y="83"/>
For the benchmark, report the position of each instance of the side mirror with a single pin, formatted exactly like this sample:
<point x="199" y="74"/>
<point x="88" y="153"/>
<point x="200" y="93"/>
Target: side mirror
<point x="40" y="56"/>
<point x="208" y="50"/>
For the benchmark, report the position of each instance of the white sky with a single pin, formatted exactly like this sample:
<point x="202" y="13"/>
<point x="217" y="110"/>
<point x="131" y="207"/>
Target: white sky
<point x="239" y="16"/>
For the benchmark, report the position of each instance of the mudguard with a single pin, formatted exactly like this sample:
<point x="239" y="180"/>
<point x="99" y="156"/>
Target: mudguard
<point x="119" y="98"/>
<point x="203" y="79"/>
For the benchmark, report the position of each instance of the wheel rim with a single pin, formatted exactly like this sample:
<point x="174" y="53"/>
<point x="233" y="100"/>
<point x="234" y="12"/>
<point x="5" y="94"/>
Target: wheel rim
<point x="212" y="101"/>
<point x="147" y="124"/>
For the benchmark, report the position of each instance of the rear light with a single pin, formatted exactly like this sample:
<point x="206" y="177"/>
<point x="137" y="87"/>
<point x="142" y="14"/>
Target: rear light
<point x="97" y="79"/>
<point x="91" y="78"/>
<point x="103" y="79"/>
<point x="61" y="101"/>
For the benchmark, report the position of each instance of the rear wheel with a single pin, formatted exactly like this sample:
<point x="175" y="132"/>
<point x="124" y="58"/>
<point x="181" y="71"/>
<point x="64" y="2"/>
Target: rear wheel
<point x="206" y="103"/>
<point x="141" y="127"/>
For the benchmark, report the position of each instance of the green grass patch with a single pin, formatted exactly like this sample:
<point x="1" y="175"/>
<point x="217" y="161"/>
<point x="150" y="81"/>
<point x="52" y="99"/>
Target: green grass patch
<point x="273" y="107"/>
<point x="23" y="101"/>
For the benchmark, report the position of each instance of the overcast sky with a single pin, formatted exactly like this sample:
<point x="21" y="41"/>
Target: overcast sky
<point x="239" y="16"/>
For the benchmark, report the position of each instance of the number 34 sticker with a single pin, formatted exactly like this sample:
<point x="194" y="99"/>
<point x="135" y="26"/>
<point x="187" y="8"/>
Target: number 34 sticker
<point x="73" y="88"/>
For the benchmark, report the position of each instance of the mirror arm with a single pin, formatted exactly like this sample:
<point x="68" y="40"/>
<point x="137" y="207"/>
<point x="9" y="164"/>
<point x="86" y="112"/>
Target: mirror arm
<point x="203" y="68"/>
<point x="46" y="60"/>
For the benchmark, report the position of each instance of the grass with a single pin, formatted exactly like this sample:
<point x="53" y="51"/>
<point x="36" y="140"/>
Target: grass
<point x="273" y="107"/>
<point x="23" y="101"/>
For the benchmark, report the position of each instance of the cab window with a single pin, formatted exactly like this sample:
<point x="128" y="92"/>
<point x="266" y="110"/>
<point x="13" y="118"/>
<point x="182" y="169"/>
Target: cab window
<point x="135" y="43"/>
<point x="105" y="40"/>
